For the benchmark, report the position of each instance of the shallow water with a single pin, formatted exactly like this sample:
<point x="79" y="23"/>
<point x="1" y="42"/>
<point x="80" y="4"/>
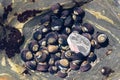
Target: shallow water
<point x="104" y="15"/>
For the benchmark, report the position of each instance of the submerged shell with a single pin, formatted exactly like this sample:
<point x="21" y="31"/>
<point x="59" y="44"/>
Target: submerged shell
<point x="68" y="22"/>
<point x="66" y="30"/>
<point x="51" y="61"/>
<point x="53" y="69"/>
<point x="62" y="40"/>
<point x="31" y="65"/>
<point x="62" y="64"/>
<point x="102" y="39"/>
<point x="40" y="56"/>
<point x="106" y="71"/>
<point x="92" y="57"/>
<point x="33" y="46"/>
<point x="42" y="67"/>
<point x="45" y="20"/>
<point x="87" y="35"/>
<point x="42" y="42"/>
<point x="56" y="8"/>
<point x="52" y="48"/>
<point x="94" y="44"/>
<point x="88" y="28"/>
<point x="62" y="73"/>
<point x="52" y="38"/>
<point x="75" y="65"/>
<point x="44" y="30"/>
<point x="77" y="28"/>
<point x="26" y="55"/>
<point x="56" y="24"/>
<point x="68" y="55"/>
<point x="56" y="56"/>
<point x="79" y="11"/>
<point x="65" y="14"/>
<point x="37" y="35"/>
<point x="78" y="56"/>
<point x="85" y="66"/>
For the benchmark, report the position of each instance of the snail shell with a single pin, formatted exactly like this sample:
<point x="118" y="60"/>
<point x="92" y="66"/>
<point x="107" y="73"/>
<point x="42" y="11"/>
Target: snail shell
<point x="33" y="46"/>
<point x="42" y="67"/>
<point x="26" y="55"/>
<point x="31" y="65"/>
<point x="85" y="66"/>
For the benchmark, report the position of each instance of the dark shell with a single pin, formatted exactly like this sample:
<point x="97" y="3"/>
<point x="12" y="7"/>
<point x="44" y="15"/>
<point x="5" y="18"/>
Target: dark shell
<point x="62" y="40"/>
<point x="85" y="66"/>
<point x="62" y="64"/>
<point x="65" y="14"/>
<point x="79" y="11"/>
<point x="45" y="20"/>
<point x="52" y="48"/>
<point x="77" y="19"/>
<point x="102" y="39"/>
<point x="64" y="47"/>
<point x="78" y="56"/>
<point x="53" y="69"/>
<point x="26" y="55"/>
<point x="68" y="22"/>
<point x="31" y="65"/>
<point x="42" y="42"/>
<point x="56" y="24"/>
<point x="88" y="28"/>
<point x="45" y="51"/>
<point x="62" y="73"/>
<point x="68" y="55"/>
<point x="56" y="56"/>
<point x="52" y="38"/>
<point x="56" y="8"/>
<point x="106" y="71"/>
<point x="92" y="57"/>
<point x="44" y="30"/>
<point x="87" y="35"/>
<point x="42" y="67"/>
<point x="75" y="65"/>
<point x="94" y="44"/>
<point x="40" y="56"/>
<point x="51" y="61"/>
<point x="33" y="46"/>
<point x="77" y="28"/>
<point x="37" y="35"/>
<point x="66" y="30"/>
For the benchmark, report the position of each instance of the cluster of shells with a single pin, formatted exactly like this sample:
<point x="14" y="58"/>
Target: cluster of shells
<point x="49" y="51"/>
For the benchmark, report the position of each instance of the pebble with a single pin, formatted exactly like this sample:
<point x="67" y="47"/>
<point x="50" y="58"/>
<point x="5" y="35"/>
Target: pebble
<point x="79" y="43"/>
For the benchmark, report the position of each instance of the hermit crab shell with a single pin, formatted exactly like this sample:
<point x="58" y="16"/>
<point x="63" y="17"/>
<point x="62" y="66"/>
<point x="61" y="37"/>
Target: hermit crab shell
<point x="92" y="57"/>
<point x="85" y="66"/>
<point x="75" y="65"/>
<point x="88" y="28"/>
<point x="52" y="48"/>
<point x="62" y="73"/>
<point x="26" y="55"/>
<point x="31" y="65"/>
<point x="40" y="56"/>
<point x="42" y="67"/>
<point x="33" y="46"/>
<point x="53" y="69"/>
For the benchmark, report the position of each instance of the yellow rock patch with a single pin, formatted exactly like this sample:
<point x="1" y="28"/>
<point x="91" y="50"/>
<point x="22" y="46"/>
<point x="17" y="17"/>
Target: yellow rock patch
<point x="98" y="15"/>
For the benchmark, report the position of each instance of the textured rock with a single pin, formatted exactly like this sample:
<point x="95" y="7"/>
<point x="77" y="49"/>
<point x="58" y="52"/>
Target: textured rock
<point x="79" y="43"/>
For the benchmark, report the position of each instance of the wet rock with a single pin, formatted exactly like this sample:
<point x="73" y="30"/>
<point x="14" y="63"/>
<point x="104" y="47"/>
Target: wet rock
<point x="79" y="43"/>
